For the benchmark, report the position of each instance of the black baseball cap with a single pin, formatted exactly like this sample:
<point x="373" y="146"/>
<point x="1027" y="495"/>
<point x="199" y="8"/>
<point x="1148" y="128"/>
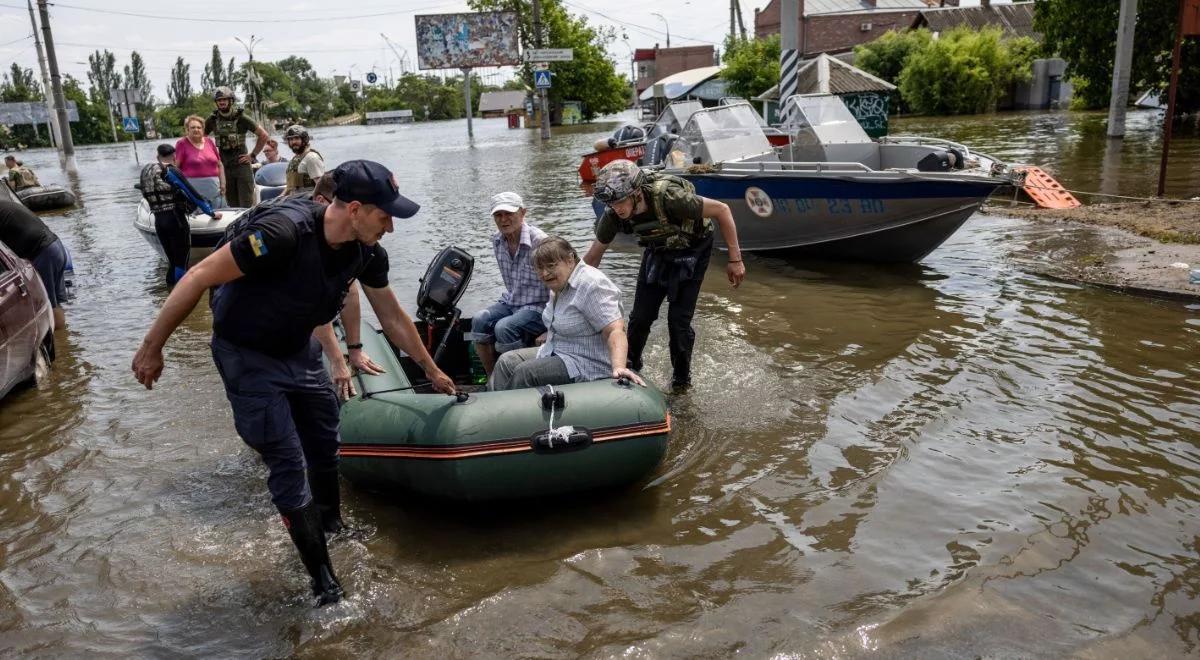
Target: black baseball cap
<point x="165" y="150"/>
<point x="368" y="182"/>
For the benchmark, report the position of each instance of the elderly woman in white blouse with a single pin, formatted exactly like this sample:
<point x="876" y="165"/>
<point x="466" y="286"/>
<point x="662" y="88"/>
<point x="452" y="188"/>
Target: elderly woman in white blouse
<point x="585" y="328"/>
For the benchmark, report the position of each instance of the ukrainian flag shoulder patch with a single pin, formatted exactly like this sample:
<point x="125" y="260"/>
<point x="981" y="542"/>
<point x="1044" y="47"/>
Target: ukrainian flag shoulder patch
<point x="257" y="245"/>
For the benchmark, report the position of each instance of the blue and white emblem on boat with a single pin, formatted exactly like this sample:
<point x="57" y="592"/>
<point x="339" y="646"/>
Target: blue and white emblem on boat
<point x="759" y="202"/>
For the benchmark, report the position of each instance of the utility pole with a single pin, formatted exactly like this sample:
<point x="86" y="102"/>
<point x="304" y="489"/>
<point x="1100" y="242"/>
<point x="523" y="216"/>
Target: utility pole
<point x="741" y="23"/>
<point x="1121" y="66"/>
<point x="60" y="104"/>
<point x="537" y="43"/>
<point x="52" y="120"/>
<point x="732" y="19"/>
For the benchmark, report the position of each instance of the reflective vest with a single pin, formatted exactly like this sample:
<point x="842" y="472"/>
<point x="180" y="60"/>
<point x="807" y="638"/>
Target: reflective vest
<point x="663" y="231"/>
<point x="277" y="313"/>
<point x="22" y="177"/>
<point x="229" y="139"/>
<point x="158" y="192"/>
<point x="297" y="180"/>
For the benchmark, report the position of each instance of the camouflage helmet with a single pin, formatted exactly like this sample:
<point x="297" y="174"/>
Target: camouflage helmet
<point x="223" y="92"/>
<point x="296" y="130"/>
<point x="618" y="180"/>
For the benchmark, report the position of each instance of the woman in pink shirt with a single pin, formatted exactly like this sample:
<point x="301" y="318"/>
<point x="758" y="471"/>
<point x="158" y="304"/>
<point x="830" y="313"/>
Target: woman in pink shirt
<point x="197" y="157"/>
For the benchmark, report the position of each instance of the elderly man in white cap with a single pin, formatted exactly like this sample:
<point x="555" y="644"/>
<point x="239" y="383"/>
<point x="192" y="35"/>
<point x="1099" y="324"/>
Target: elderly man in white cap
<point x="516" y="319"/>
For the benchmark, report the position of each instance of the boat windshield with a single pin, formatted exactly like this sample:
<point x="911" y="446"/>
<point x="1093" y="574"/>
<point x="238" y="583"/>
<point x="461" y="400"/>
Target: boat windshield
<point x="676" y="116"/>
<point x="725" y="133"/>
<point x="734" y="100"/>
<point x="823" y="119"/>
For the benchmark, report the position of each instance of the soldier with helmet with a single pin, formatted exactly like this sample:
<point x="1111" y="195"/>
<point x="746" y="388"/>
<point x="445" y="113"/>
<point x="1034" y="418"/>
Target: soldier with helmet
<point x="228" y="126"/>
<point x="308" y="165"/>
<point x="675" y="226"/>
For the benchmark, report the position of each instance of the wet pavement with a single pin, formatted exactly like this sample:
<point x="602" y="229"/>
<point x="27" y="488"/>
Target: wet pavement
<point x="950" y="458"/>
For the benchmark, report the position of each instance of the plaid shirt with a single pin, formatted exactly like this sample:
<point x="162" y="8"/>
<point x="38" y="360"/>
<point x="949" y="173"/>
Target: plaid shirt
<point x="523" y="287"/>
<point x="574" y="318"/>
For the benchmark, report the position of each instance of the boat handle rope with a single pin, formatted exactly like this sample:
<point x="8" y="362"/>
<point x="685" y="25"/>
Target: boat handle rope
<point x="563" y="433"/>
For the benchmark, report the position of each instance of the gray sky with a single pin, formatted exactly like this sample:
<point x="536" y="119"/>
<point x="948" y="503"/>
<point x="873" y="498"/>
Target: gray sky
<point x="331" y="45"/>
<point x="342" y="40"/>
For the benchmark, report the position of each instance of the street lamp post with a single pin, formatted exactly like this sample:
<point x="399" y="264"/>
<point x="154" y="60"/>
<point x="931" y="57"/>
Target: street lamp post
<point x="668" y="25"/>
<point x="251" y="74"/>
<point x="632" y="73"/>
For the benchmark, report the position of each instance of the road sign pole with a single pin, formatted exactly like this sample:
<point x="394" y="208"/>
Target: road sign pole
<point x="537" y="40"/>
<point x="467" y="99"/>
<point x="129" y="108"/>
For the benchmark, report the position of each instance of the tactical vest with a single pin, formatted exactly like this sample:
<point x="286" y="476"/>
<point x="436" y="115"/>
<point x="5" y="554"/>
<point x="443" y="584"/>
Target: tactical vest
<point x="229" y="139"/>
<point x="23" y="177"/>
<point x="158" y="192"/>
<point x="297" y="180"/>
<point x="663" y="231"/>
<point x="277" y="313"/>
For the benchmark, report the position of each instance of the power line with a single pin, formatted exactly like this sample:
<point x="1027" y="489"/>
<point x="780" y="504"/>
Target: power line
<point x="642" y="28"/>
<point x="192" y="19"/>
<point x="9" y="43"/>
<point x="206" y="50"/>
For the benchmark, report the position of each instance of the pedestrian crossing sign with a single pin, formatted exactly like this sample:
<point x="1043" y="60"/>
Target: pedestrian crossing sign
<point x="130" y="124"/>
<point x="541" y="79"/>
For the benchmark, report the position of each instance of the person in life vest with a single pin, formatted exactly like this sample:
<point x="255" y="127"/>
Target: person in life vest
<point x="285" y="270"/>
<point x="228" y="127"/>
<point x="675" y="226"/>
<point x="19" y="176"/>
<point x="172" y="199"/>
<point x="308" y="165"/>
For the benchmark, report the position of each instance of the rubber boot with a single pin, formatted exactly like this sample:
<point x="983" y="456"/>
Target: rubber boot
<point x="304" y="526"/>
<point x="327" y="495"/>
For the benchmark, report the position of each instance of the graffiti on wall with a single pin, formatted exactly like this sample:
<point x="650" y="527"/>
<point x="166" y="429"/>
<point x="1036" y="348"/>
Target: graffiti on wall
<point x="871" y="111"/>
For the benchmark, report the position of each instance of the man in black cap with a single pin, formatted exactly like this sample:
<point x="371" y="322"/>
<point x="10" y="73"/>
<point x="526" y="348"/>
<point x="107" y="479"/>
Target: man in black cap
<point x="284" y="271"/>
<point x="171" y="199"/>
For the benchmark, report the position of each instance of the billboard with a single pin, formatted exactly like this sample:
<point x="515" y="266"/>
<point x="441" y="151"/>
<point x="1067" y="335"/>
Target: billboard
<point x="454" y="41"/>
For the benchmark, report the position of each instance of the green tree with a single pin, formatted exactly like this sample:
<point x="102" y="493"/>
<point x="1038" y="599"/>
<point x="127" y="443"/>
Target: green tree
<point x="1082" y="32"/>
<point x="169" y="119"/>
<point x="215" y="74"/>
<point x="102" y="75"/>
<point x="180" y="88"/>
<point x="751" y="66"/>
<point x="591" y="77"/>
<point x="964" y="71"/>
<point x="93" y="126"/>
<point x="886" y="56"/>
<point x="20" y="85"/>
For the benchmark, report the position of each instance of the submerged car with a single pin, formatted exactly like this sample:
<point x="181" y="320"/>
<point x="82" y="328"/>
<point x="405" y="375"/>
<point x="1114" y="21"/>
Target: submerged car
<point x="26" y="323"/>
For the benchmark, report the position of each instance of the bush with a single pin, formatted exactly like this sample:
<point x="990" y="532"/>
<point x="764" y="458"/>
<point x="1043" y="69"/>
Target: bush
<point x="964" y="71"/>
<point x="886" y="56"/>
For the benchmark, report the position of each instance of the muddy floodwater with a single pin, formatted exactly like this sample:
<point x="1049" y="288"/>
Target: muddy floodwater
<point x="947" y="459"/>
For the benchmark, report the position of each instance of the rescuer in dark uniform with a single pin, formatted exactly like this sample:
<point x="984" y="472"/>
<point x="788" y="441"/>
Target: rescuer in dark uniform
<point x="171" y="199"/>
<point x="673" y="224"/>
<point x="228" y="127"/>
<point x="283" y="272"/>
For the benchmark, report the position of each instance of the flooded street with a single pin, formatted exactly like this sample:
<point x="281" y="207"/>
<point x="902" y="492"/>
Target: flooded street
<point x="947" y="459"/>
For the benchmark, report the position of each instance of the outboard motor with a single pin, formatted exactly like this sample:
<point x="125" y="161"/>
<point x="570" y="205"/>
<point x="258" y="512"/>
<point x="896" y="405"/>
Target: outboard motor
<point x="937" y="161"/>
<point x="442" y="287"/>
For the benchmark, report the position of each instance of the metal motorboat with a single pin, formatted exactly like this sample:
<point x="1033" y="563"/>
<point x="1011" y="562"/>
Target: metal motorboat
<point x="833" y="192"/>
